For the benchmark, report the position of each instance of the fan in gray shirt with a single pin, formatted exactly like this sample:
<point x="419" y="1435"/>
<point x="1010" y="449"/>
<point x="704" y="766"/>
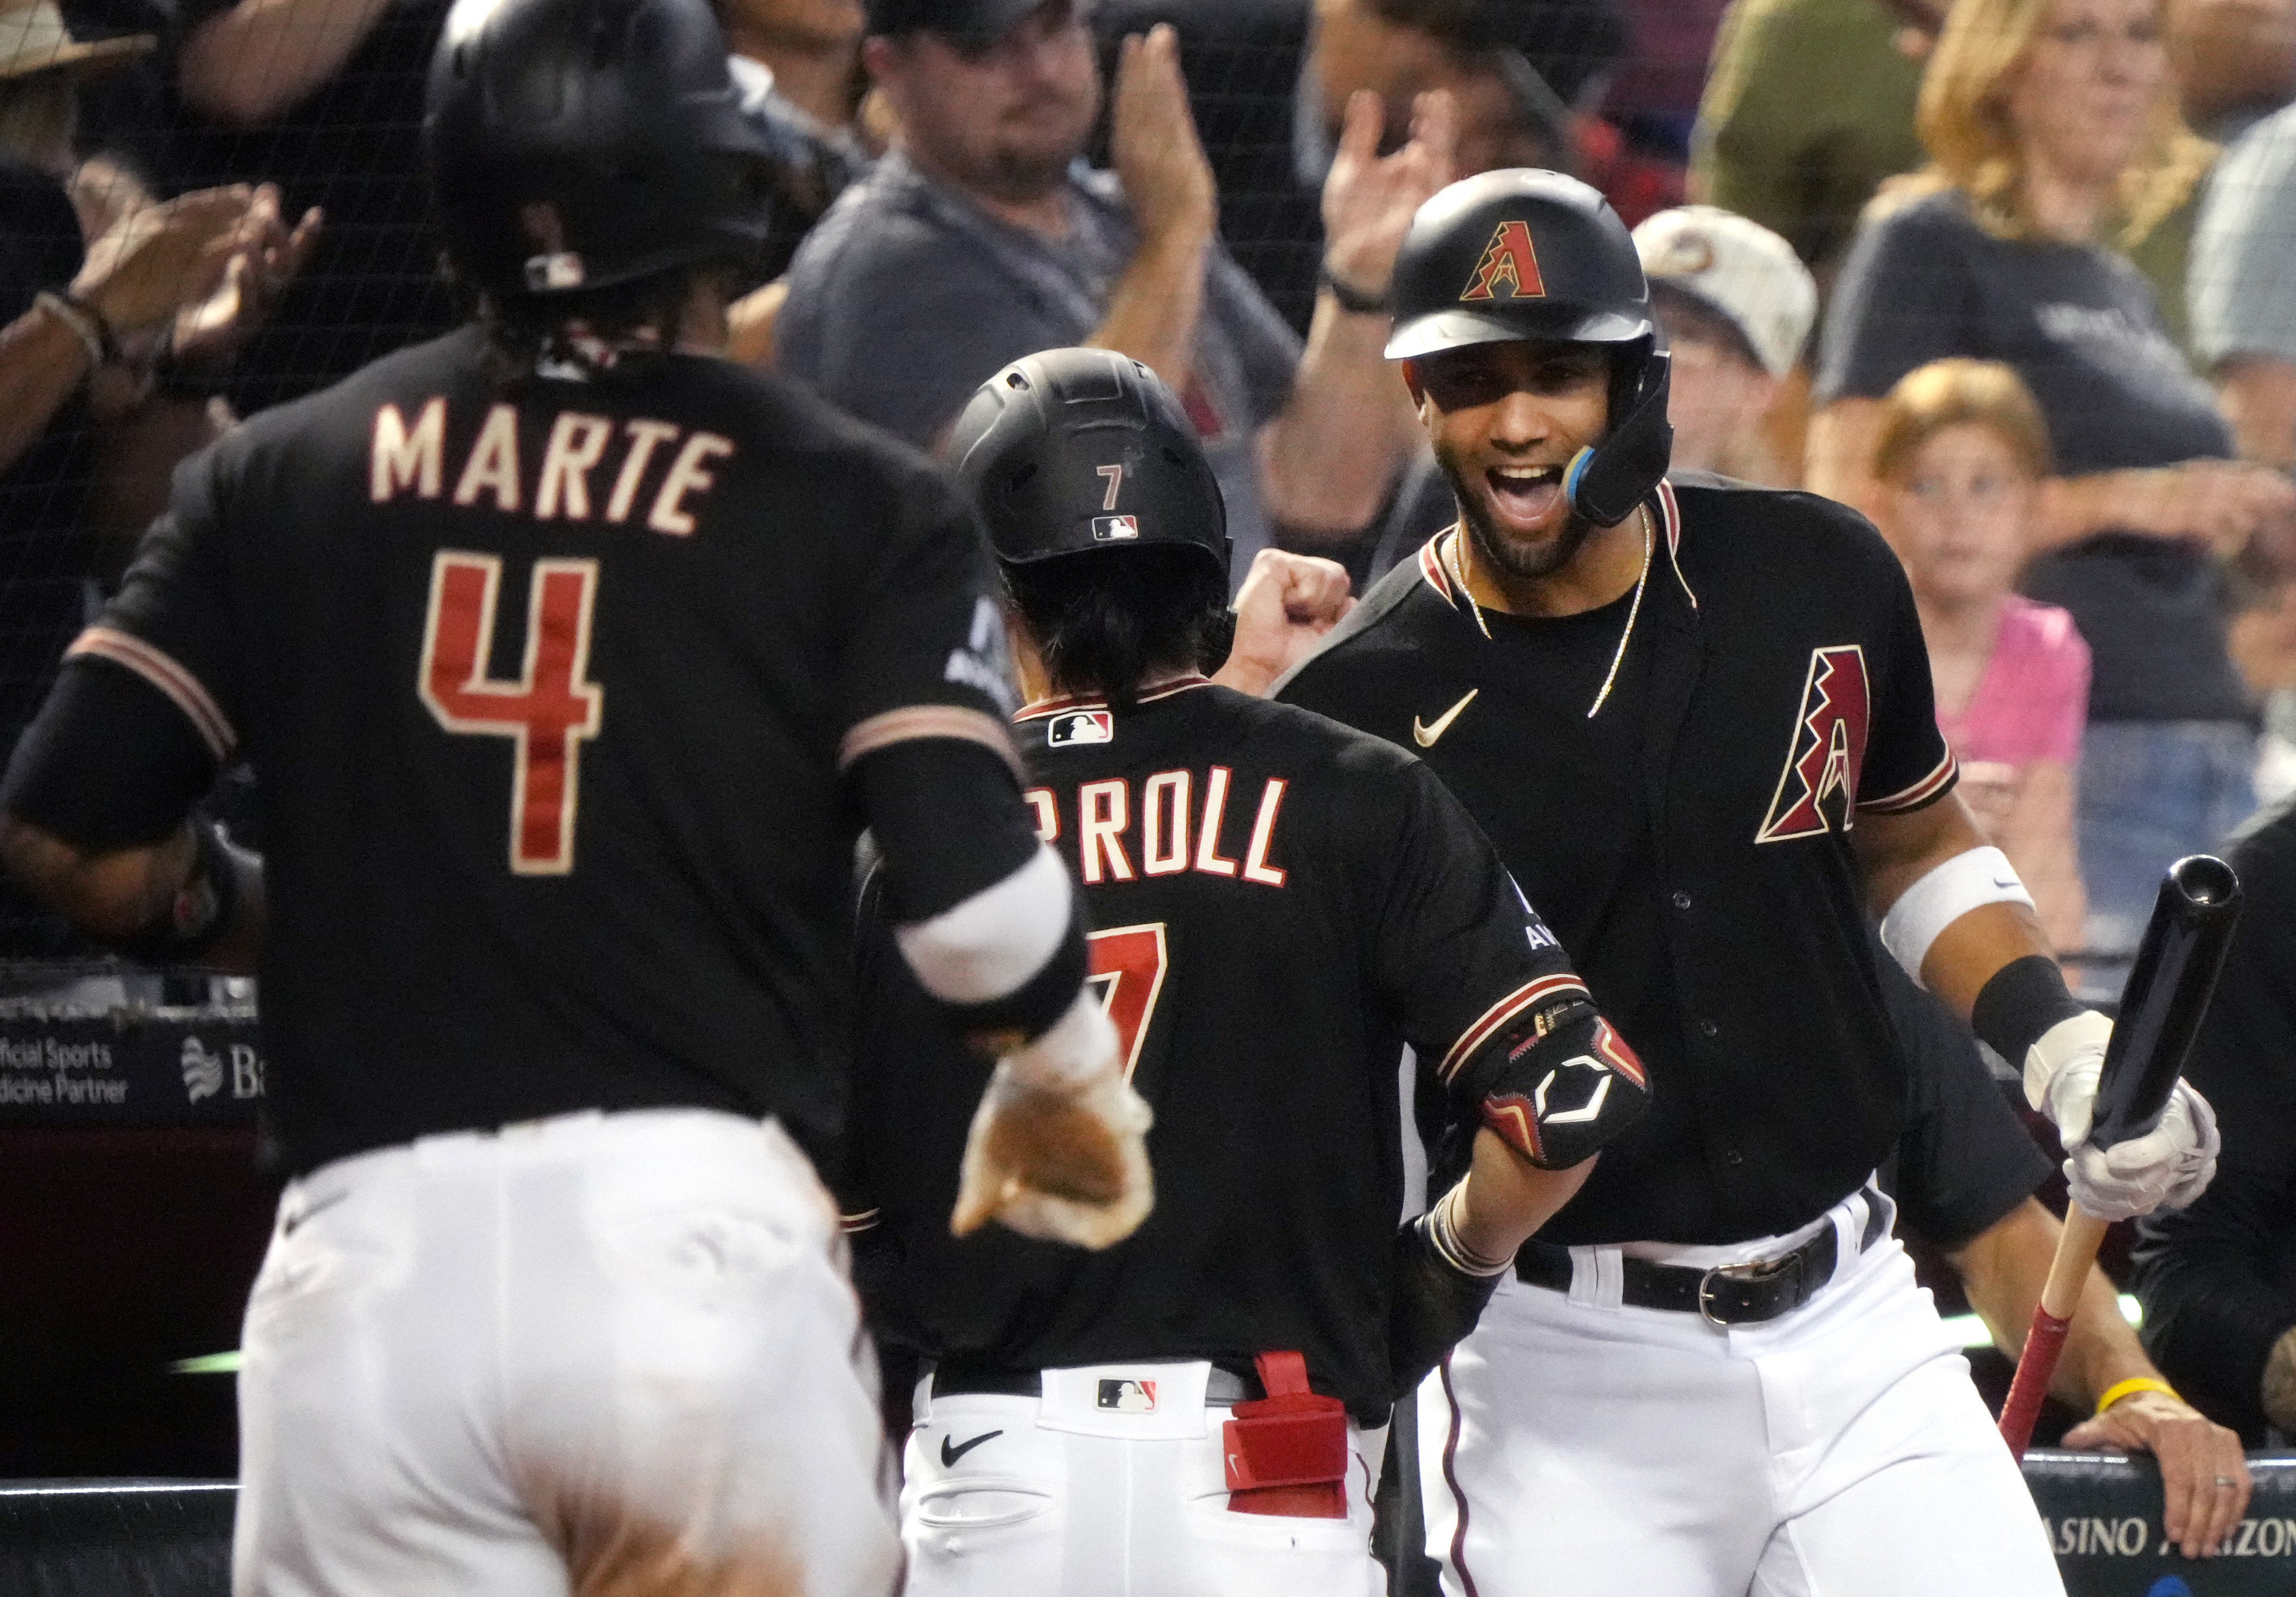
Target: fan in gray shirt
<point x="983" y="237"/>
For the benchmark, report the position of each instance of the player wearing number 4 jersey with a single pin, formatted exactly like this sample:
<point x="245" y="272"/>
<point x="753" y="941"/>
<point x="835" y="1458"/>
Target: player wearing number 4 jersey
<point x="569" y="659"/>
<point x="1281" y="905"/>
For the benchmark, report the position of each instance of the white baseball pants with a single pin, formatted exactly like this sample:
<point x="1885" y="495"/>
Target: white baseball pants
<point x="604" y="1353"/>
<point x="1574" y="1443"/>
<point x="1060" y="1497"/>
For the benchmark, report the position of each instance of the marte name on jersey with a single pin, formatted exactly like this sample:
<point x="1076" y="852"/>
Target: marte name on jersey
<point x="411" y="459"/>
<point x="1171" y="822"/>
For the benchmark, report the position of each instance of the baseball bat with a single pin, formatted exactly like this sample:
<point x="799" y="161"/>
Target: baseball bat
<point x="2167" y="991"/>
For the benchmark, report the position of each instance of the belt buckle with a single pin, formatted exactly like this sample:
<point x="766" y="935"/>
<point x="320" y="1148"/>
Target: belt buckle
<point x="1759" y="1270"/>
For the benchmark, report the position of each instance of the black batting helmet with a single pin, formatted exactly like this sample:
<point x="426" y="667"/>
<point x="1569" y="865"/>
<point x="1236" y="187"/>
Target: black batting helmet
<point x="578" y="143"/>
<point x="1529" y="255"/>
<point x="1077" y="450"/>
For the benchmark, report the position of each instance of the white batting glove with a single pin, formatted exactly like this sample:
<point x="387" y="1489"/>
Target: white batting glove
<point x="2172" y="1164"/>
<point x="1057" y="1149"/>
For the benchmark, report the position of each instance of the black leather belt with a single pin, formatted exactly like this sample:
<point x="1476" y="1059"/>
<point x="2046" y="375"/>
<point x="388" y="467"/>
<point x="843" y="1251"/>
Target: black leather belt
<point x="960" y="1376"/>
<point x="1726" y="1295"/>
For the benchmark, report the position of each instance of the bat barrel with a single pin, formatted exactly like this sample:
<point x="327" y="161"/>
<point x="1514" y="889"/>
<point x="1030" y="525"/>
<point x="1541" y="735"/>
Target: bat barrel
<point x="2168" y="989"/>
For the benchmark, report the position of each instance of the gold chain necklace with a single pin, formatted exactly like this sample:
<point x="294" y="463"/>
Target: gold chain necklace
<point x="1650" y="544"/>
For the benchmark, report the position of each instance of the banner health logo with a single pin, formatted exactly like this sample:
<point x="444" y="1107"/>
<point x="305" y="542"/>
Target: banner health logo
<point x="202" y="1070"/>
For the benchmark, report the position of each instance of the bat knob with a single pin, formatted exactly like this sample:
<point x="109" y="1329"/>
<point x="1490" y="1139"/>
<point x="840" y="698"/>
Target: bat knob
<point x="2203" y="879"/>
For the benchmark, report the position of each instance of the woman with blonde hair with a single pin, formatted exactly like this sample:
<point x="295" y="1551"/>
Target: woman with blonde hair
<point x="1960" y="457"/>
<point x="2051" y="124"/>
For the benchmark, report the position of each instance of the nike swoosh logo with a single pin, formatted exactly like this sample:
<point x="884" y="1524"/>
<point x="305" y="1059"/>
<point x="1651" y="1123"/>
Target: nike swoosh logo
<point x="1425" y="736"/>
<point x="950" y="1455"/>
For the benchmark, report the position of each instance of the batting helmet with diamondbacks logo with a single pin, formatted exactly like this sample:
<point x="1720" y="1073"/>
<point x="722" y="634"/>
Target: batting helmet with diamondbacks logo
<point x="1530" y="255"/>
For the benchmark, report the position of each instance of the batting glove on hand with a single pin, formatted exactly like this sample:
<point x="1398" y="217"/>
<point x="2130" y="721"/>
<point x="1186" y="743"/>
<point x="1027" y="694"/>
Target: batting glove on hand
<point x="1058" y="1152"/>
<point x="2172" y="1164"/>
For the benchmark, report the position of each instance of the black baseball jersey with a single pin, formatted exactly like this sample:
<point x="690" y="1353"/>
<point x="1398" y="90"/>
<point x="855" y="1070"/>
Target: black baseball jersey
<point x="547" y="690"/>
<point x="1281" y="904"/>
<point x="1690" y="840"/>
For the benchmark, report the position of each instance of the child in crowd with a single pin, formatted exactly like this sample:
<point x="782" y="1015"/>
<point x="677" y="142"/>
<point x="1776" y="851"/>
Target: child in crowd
<point x="1961" y="456"/>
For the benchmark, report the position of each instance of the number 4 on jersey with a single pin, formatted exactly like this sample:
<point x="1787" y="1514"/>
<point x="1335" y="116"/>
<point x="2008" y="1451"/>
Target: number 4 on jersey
<point x="546" y="713"/>
<point x="1127" y="973"/>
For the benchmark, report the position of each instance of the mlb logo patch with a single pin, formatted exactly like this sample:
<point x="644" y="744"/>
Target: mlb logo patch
<point x="1115" y="529"/>
<point x="1080" y="726"/>
<point x="1128" y="1397"/>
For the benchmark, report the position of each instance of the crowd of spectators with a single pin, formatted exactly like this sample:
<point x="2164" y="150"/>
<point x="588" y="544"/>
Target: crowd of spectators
<point x="2016" y="277"/>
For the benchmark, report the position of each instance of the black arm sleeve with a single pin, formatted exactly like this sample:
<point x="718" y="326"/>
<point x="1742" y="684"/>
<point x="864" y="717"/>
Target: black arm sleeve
<point x="949" y="825"/>
<point x="948" y="821"/>
<point x="110" y="762"/>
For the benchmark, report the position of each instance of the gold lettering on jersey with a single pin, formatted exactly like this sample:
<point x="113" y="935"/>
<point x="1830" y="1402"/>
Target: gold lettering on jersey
<point x="644" y="436"/>
<point x="1106" y="812"/>
<point x="1164" y="824"/>
<point x="686" y="476"/>
<point x="404" y="460"/>
<point x="575" y="443"/>
<point x="1256" y="867"/>
<point x="1209" y="859"/>
<point x="493" y="463"/>
<point x="398" y="459"/>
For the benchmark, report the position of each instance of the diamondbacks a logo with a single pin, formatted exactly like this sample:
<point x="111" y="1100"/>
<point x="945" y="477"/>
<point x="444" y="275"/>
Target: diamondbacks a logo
<point x="1127" y="1396"/>
<point x="1817" y="791"/>
<point x="1509" y="263"/>
<point x="202" y="1070"/>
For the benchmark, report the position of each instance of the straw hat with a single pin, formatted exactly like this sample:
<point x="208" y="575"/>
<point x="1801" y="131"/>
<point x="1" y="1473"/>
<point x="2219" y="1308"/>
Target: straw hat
<point x="33" y="38"/>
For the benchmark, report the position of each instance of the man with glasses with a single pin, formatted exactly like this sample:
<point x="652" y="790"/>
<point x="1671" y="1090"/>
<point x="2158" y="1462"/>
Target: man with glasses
<point x="982" y="238"/>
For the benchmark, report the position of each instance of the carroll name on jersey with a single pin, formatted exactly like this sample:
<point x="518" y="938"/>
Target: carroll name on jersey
<point x="412" y="460"/>
<point x="1171" y="822"/>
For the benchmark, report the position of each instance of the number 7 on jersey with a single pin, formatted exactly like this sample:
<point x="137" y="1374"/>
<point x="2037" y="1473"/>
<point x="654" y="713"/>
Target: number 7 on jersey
<point x="546" y="713"/>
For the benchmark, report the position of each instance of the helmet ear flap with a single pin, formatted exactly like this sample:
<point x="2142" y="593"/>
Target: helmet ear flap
<point x="1605" y="483"/>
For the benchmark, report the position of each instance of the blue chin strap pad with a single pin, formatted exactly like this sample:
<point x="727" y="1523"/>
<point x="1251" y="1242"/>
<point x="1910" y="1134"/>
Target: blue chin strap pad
<point x="1605" y="483"/>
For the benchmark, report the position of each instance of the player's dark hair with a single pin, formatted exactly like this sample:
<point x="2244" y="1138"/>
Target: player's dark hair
<point x="522" y="329"/>
<point x="1106" y="619"/>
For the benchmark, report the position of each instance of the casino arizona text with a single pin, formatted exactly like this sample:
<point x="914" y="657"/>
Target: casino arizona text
<point x="412" y="460"/>
<point x="1170" y="838"/>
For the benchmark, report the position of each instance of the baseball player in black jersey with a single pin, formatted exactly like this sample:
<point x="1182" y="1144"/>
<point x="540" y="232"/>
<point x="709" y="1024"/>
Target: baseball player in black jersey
<point x="569" y="659"/>
<point x="1695" y="719"/>
<point x="1281" y="905"/>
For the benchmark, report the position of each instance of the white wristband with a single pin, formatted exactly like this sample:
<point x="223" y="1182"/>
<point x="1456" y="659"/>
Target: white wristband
<point x="1079" y="1046"/>
<point x="1967" y="882"/>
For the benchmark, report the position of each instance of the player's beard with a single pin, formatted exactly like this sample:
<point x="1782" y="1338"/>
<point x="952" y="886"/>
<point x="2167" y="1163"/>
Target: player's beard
<point x="1527" y="563"/>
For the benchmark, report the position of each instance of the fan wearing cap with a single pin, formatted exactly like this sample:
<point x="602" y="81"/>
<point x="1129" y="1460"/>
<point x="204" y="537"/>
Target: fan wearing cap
<point x="1736" y="305"/>
<point x="1695" y="719"/>
<point x="1281" y="905"/>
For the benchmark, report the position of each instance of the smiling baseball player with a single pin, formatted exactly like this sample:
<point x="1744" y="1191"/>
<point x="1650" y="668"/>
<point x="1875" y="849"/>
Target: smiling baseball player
<point x="1281" y="904"/>
<point x="1695" y="718"/>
